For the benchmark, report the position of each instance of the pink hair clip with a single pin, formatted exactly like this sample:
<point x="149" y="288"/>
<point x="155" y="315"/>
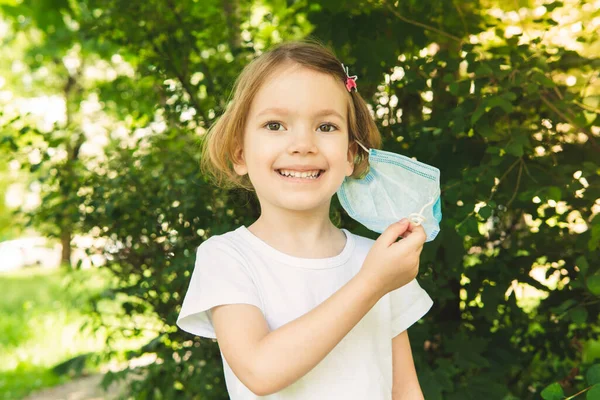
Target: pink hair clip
<point x="350" y="80"/>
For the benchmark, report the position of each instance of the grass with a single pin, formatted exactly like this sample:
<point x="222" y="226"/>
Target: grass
<point x="41" y="312"/>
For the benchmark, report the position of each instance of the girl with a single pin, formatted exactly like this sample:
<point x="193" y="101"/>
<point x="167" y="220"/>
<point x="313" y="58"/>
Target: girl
<point x="300" y="308"/>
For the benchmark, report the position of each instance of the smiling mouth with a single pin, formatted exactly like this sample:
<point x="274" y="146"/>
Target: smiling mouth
<point x="308" y="175"/>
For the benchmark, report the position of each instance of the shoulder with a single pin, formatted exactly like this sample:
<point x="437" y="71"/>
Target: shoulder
<point x="223" y="245"/>
<point x="361" y="241"/>
<point x="222" y="255"/>
<point x="362" y="244"/>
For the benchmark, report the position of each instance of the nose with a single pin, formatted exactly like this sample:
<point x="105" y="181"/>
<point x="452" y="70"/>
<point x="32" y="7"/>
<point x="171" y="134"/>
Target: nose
<point x="302" y="141"/>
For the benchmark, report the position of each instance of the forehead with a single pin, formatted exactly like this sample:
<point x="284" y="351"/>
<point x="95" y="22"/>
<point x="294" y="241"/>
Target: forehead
<point x="300" y="90"/>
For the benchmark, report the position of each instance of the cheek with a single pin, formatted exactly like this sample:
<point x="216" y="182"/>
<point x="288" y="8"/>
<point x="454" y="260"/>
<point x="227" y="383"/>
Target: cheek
<point x="338" y="160"/>
<point x="341" y="152"/>
<point x="260" y="154"/>
<point x="349" y="167"/>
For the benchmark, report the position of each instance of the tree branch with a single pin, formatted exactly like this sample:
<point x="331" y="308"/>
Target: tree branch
<point x="518" y="183"/>
<point x="583" y="130"/>
<point x="184" y="82"/>
<point x="230" y="7"/>
<point x="421" y="25"/>
<point x="182" y="76"/>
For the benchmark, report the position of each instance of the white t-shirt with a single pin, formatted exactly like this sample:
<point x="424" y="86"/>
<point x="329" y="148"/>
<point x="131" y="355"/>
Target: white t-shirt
<point x="238" y="267"/>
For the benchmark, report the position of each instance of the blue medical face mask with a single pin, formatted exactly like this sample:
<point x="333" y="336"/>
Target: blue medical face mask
<point x="395" y="187"/>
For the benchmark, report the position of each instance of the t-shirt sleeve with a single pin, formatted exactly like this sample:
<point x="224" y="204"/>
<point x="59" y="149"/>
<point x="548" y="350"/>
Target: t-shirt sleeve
<point x="408" y="305"/>
<point x="220" y="276"/>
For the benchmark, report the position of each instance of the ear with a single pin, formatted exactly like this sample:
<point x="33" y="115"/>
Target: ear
<point x="239" y="163"/>
<point x="352" y="149"/>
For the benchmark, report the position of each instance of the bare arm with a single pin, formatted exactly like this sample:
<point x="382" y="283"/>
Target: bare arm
<point x="406" y="384"/>
<point x="267" y="362"/>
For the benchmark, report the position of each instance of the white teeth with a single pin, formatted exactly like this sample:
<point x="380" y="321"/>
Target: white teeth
<point x="297" y="174"/>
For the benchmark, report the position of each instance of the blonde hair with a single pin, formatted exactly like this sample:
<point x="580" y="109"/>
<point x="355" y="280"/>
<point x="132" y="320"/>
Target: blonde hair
<point x="225" y="137"/>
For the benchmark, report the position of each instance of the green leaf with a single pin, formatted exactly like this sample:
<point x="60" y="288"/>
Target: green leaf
<point x="531" y="88"/>
<point x="515" y="149"/>
<point x="496" y="160"/>
<point x="458" y="124"/>
<point x="483" y="69"/>
<point x="553" y="392"/>
<point x="593" y="374"/>
<point x="34" y="167"/>
<point x="555" y="4"/>
<point x="453" y="87"/>
<point x="448" y="78"/>
<point x="593" y="393"/>
<point x="578" y="315"/>
<point x="431" y="388"/>
<point x="500" y="102"/>
<point x="542" y="79"/>
<point x="593" y="284"/>
<point x="485" y="212"/>
<point x="510" y="96"/>
<point x="564" y="306"/>
<point x="554" y="193"/>
<point x="478" y="113"/>
<point x="484" y="129"/>
<point x="469" y="227"/>
<point x="582" y="264"/>
<point x="594" y="241"/>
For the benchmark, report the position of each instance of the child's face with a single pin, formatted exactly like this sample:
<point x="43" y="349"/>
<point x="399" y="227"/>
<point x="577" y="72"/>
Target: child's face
<point x="297" y="125"/>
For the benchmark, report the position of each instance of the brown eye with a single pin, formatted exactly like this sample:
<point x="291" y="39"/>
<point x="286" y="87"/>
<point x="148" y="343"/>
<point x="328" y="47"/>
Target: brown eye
<point x="327" y="128"/>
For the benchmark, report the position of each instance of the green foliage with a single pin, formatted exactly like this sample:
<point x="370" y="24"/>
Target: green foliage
<point x="194" y="210"/>
<point x="553" y="392"/>
<point x="41" y="312"/>
<point x="518" y="147"/>
<point x="7" y="230"/>
<point x="592" y="392"/>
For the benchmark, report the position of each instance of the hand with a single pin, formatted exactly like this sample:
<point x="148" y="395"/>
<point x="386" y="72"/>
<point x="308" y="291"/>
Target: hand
<point x="392" y="264"/>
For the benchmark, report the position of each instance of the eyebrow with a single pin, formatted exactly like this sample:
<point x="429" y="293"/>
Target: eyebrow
<point x="283" y="111"/>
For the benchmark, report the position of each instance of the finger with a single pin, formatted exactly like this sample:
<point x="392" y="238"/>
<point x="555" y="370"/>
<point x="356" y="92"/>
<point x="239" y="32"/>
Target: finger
<point x="409" y="229"/>
<point x="395" y="230"/>
<point x="417" y="228"/>
<point x="413" y="228"/>
<point x="415" y="238"/>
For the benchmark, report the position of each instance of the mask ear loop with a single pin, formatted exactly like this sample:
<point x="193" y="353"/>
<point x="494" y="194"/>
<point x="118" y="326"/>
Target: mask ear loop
<point x="361" y="145"/>
<point x="386" y="199"/>
<point x="418" y="218"/>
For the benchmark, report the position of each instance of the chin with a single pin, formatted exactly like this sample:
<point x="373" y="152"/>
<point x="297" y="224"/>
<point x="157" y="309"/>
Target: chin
<point x="298" y="203"/>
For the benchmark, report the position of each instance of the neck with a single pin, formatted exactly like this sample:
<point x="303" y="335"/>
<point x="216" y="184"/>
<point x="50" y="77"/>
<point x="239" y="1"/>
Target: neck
<point x="300" y="234"/>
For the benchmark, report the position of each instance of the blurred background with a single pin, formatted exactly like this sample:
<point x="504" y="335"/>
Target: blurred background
<point x="103" y="104"/>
